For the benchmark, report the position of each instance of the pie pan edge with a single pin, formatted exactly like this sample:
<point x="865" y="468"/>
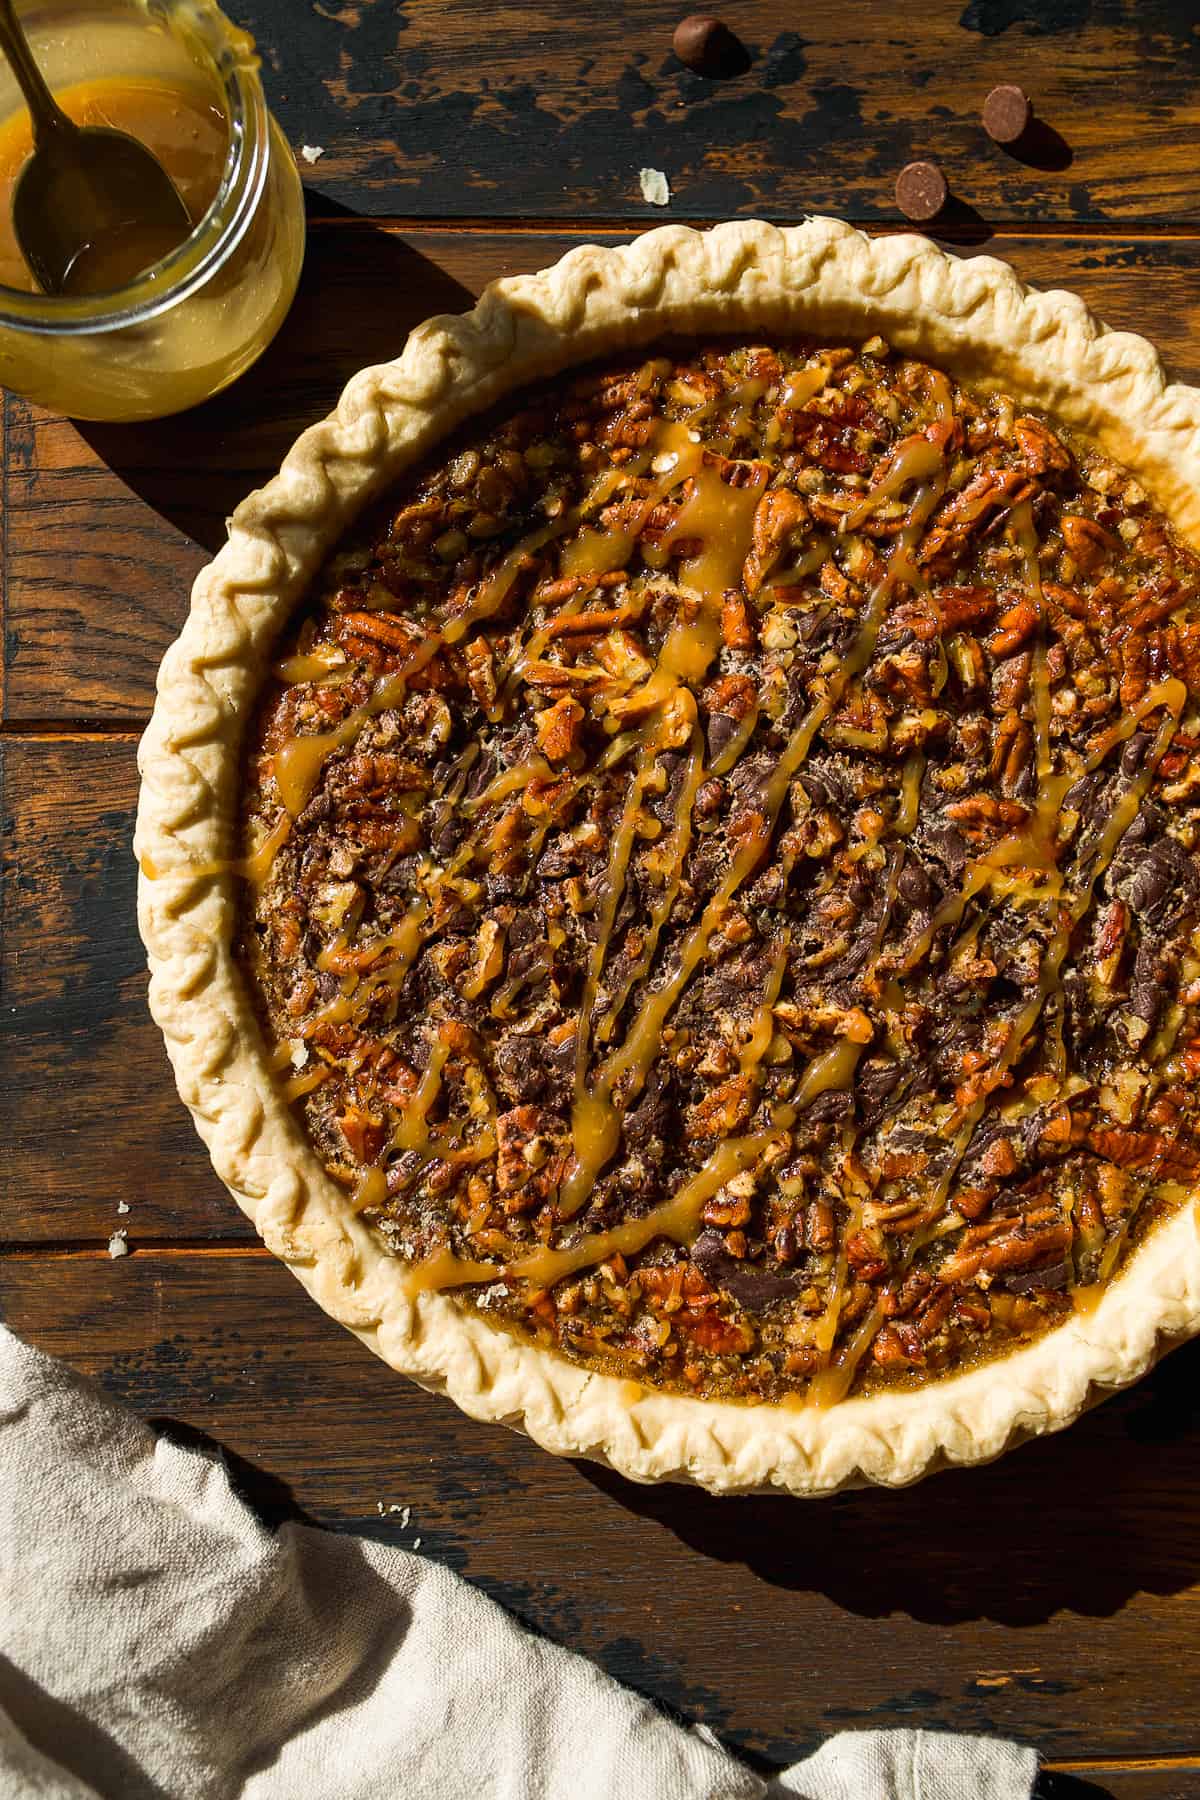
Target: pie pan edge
<point x="824" y="278"/>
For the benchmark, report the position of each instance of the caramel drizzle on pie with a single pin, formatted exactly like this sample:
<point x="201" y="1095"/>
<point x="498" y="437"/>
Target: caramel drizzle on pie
<point x="716" y="502"/>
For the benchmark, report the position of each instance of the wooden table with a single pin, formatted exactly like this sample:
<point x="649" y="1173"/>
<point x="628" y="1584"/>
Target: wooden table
<point x="1054" y="1596"/>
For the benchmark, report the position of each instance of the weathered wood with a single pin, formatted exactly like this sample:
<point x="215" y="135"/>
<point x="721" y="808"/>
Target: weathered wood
<point x="568" y="103"/>
<point x="107" y="526"/>
<point x="1051" y="1596"/>
<point x="1055" y="1596"/>
<point x="88" y="1110"/>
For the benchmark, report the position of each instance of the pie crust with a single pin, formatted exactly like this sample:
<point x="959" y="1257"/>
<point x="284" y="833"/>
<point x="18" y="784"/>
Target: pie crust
<point x="822" y="278"/>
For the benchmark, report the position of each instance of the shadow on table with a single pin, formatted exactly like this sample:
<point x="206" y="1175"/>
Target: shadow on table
<point x="1078" y="1522"/>
<point x="1041" y="147"/>
<point x="361" y="291"/>
<point x="1053" y="1785"/>
<point x="269" y="1499"/>
<point x="960" y="224"/>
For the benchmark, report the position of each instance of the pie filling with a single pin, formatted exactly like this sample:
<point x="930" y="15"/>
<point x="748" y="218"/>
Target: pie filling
<point x="722" y="880"/>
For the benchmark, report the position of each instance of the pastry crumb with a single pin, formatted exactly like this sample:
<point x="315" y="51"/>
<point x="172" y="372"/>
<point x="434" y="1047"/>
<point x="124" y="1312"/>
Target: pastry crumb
<point x="416" y="1543"/>
<point x="312" y="152"/>
<point x="122" y="1206"/>
<point x="118" y="1244"/>
<point x="656" y="189"/>
<point x="388" y="1508"/>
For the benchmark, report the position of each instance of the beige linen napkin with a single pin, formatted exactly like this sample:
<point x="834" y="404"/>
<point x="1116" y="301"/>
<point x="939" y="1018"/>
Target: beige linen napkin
<point x="158" y="1643"/>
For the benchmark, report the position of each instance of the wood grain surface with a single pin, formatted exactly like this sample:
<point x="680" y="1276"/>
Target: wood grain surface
<point x="106" y="526"/>
<point x="1036" y="1598"/>
<point x="88" y="1111"/>
<point x="569" y="102"/>
<point x="1054" y="1596"/>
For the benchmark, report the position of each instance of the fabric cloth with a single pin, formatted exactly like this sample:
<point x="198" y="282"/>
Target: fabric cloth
<point x="157" y="1642"/>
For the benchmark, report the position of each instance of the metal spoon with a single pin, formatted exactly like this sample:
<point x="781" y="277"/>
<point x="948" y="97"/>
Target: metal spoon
<point x="92" y="208"/>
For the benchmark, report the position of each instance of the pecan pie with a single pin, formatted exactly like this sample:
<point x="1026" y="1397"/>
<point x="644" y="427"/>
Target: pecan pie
<point x="715" y="872"/>
<point x="732" y="889"/>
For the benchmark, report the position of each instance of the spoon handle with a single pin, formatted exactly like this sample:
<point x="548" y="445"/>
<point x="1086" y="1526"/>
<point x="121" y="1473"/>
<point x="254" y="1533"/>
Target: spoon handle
<point x="47" y="114"/>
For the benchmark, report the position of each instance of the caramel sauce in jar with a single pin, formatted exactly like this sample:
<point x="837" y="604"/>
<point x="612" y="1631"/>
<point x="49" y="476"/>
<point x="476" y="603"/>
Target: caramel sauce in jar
<point x="154" y="327"/>
<point x="183" y="127"/>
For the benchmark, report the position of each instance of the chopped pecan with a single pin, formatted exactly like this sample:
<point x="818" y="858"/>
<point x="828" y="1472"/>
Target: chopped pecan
<point x="560" y="728"/>
<point x="727" y="1209"/>
<point x="999" y="1158"/>
<point x="577" y="624"/>
<point x="722" y="1111"/>
<point x="489" y="958"/>
<point x="1043" y="453"/>
<point x="897" y="1345"/>
<point x="1129" y="1149"/>
<point x="365" y="1134"/>
<point x="1110" y="939"/>
<point x="1002" y="1245"/>
<point x="709" y="1331"/>
<point x="380" y="628"/>
<point x="959" y="606"/>
<point x="1064" y="599"/>
<point x="895" y="1163"/>
<point x="1014" y="629"/>
<point x="383" y="772"/>
<point x="1088" y="542"/>
<point x="835" y="586"/>
<point x="986" y="810"/>
<point x="779" y="513"/>
<point x="934" y="1311"/>
<point x="865" y="1257"/>
<point x="1135" y="670"/>
<point x="529" y="1159"/>
<point x="819" y="1229"/>
<point x="552" y="675"/>
<point x="736" y="632"/>
<point x="1183" y="653"/>
<point x="1011" y="683"/>
<point x="968" y="512"/>
<point x="734" y="695"/>
<point x="481" y="672"/>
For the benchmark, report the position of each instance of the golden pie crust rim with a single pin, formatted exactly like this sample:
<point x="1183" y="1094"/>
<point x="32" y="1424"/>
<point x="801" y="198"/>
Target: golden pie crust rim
<point x="973" y="317"/>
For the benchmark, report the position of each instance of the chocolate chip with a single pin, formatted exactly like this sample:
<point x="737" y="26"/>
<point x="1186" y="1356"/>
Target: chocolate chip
<point x="914" y="885"/>
<point x="1148" y="988"/>
<point x="1006" y="113"/>
<point x="877" y="1081"/>
<point x="650" y="1118"/>
<point x="705" y="43"/>
<point x="921" y="191"/>
<point x="1032" y="1281"/>
<point x="751" y="1287"/>
<point x="826" y="1107"/>
<point x="949" y="845"/>
<point x="721" y="731"/>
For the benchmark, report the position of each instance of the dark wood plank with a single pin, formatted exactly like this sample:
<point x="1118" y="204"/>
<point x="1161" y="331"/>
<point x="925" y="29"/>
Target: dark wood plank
<point x="1052" y="1596"/>
<point x="450" y="110"/>
<point x="88" y="1110"/>
<point x="106" y="527"/>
